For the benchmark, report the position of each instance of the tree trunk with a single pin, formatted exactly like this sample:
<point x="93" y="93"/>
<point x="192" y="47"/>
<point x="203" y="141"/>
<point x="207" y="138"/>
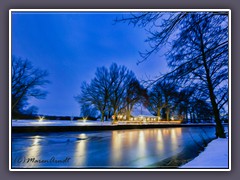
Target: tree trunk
<point x="102" y="116"/>
<point x="219" y="127"/>
<point x="158" y="113"/>
<point x="128" y="114"/>
<point x="186" y="115"/>
<point x="114" y="115"/>
<point x="168" y="113"/>
<point x="192" y="116"/>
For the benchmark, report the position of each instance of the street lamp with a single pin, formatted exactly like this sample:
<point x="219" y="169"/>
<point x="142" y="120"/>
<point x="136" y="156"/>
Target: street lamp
<point x="85" y="119"/>
<point x="40" y="118"/>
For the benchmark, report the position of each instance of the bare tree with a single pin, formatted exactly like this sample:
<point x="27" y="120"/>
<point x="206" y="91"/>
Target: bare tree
<point x="162" y="98"/>
<point x="134" y="93"/>
<point x="169" y="91"/>
<point x="155" y="101"/>
<point x="111" y="91"/>
<point x="27" y="82"/>
<point x="97" y="92"/>
<point x="191" y="102"/>
<point x="198" y="51"/>
<point x="183" y="101"/>
<point x="168" y="23"/>
<point x="201" y="56"/>
<point x="121" y="78"/>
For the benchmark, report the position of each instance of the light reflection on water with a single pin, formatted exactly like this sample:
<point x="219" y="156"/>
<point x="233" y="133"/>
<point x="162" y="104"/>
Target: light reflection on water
<point x="142" y="143"/>
<point x="174" y="134"/>
<point x="118" y="148"/>
<point x="159" y="143"/>
<point x="80" y="151"/>
<point x="34" y="151"/>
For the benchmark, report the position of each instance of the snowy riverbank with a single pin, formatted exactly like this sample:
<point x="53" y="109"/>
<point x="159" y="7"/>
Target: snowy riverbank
<point x="215" y="155"/>
<point x="22" y="126"/>
<point x="16" y="123"/>
<point x="24" y="123"/>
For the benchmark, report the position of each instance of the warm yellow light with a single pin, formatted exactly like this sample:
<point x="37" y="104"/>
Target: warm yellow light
<point x="84" y="119"/>
<point x="41" y="118"/>
<point x="82" y="136"/>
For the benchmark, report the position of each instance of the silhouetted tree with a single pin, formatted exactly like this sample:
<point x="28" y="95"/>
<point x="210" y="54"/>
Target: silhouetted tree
<point x="161" y="98"/>
<point x="169" y="90"/>
<point x="202" y="110"/>
<point x="121" y="79"/>
<point x="134" y="93"/>
<point x="198" y="51"/>
<point x="110" y="90"/>
<point x="27" y="81"/>
<point x="155" y="100"/>
<point x="201" y="56"/>
<point x="96" y="93"/>
<point x="183" y="102"/>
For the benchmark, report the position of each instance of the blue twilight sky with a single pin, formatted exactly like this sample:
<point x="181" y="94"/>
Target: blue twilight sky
<point x="72" y="45"/>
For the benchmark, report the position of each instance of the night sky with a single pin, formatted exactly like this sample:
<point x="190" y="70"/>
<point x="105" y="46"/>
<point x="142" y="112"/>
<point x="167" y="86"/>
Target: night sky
<point x="72" y="45"/>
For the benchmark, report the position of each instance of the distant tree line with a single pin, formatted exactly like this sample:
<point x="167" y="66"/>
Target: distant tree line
<point x="115" y="91"/>
<point x="169" y="101"/>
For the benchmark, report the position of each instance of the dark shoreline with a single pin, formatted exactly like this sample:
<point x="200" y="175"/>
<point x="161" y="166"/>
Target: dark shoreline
<point x="31" y="129"/>
<point x="176" y="161"/>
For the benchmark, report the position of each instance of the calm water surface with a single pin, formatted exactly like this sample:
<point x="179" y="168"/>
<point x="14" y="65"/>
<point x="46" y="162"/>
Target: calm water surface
<point x="105" y="149"/>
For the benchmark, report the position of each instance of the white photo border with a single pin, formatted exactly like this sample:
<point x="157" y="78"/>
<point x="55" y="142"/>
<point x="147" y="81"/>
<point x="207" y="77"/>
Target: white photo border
<point x="118" y="10"/>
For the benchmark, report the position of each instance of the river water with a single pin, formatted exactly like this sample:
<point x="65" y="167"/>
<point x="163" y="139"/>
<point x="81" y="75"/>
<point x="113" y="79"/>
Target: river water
<point x="138" y="148"/>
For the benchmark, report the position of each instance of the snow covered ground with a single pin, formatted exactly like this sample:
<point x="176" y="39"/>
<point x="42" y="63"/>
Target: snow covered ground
<point x="58" y="123"/>
<point x="35" y="122"/>
<point x="214" y="156"/>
